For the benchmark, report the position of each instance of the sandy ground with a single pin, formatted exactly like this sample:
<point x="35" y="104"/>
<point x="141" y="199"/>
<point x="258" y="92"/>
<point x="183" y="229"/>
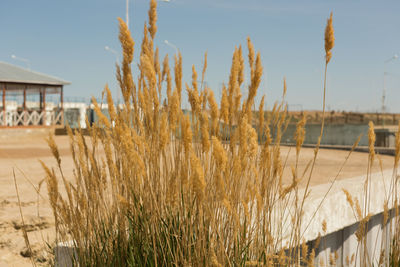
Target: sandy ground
<point x="22" y="154"/>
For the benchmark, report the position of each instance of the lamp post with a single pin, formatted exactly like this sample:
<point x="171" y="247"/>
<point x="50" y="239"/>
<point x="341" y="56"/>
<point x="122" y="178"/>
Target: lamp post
<point x="114" y="52"/>
<point x="117" y="62"/>
<point x="127" y="13"/>
<point x="28" y="63"/>
<point x="172" y="45"/>
<point x="395" y="56"/>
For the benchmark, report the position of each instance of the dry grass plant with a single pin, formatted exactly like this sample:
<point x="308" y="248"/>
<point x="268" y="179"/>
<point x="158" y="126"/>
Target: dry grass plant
<point x="155" y="185"/>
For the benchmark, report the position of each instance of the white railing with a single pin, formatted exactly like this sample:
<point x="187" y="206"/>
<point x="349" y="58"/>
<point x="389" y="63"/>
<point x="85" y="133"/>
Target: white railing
<point x="31" y="118"/>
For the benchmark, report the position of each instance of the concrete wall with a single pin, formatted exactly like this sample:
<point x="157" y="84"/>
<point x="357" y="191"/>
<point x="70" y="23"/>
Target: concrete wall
<point x="334" y="134"/>
<point x="342" y="223"/>
<point x="344" y="243"/>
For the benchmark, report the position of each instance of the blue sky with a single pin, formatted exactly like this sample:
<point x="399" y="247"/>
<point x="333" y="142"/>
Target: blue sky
<point x="67" y="39"/>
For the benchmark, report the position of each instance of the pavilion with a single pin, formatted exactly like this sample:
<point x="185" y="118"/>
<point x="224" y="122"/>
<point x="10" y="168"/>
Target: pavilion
<point x="17" y="85"/>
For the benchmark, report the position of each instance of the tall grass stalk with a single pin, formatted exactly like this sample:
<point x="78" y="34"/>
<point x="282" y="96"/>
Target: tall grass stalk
<point x="156" y="186"/>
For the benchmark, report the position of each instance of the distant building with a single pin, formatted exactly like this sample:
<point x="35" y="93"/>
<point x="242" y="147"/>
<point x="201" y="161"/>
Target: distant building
<point x="17" y="85"/>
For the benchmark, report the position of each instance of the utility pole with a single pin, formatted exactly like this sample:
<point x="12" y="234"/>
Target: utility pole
<point x="385" y="73"/>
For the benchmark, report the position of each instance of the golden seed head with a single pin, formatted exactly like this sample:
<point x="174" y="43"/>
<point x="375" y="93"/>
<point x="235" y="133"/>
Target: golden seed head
<point x="197" y="177"/>
<point x="194" y="79"/>
<point x="397" y="147"/>
<point x="194" y="99"/>
<point x="284" y="87"/>
<point x="219" y="153"/>
<point x="304" y="250"/>
<point x="385" y="212"/>
<point x="251" y="56"/>
<point x="153" y="18"/>
<point x="214" y="112"/>
<point x="205" y="137"/>
<point x="173" y="105"/>
<point x="165" y="67"/>
<point x="186" y="133"/>
<point x="234" y="70"/>
<point x="311" y="258"/>
<point x="110" y="102"/>
<point x="166" y="72"/>
<point x="126" y="40"/>
<point x="324" y="226"/>
<point x="253" y="141"/>
<point x="224" y="105"/>
<point x="241" y="68"/>
<point x="204" y="68"/>
<point x="371" y="141"/>
<point x="54" y="148"/>
<point x="300" y="133"/>
<point x="255" y="83"/>
<point x="329" y="39"/>
<point x="348" y="197"/>
<point x="148" y="70"/>
<point x="318" y="241"/>
<point x="102" y="118"/>
<point x="178" y="75"/>
<point x="361" y="231"/>
<point x="164" y="132"/>
<point x="261" y="116"/>
<point x="358" y="209"/>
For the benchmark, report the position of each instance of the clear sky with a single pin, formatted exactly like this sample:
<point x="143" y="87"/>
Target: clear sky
<point x="67" y="39"/>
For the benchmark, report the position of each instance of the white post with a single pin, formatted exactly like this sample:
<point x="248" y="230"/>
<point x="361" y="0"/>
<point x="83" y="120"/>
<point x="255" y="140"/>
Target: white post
<point x="117" y="61"/>
<point x="172" y="45"/>
<point x="127" y="13"/>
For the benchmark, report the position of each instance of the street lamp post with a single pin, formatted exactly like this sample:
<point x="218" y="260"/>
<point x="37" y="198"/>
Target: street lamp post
<point x="117" y="62"/>
<point x="172" y="45"/>
<point x="127" y="13"/>
<point x="28" y="63"/>
<point x="395" y="56"/>
<point x="114" y="52"/>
